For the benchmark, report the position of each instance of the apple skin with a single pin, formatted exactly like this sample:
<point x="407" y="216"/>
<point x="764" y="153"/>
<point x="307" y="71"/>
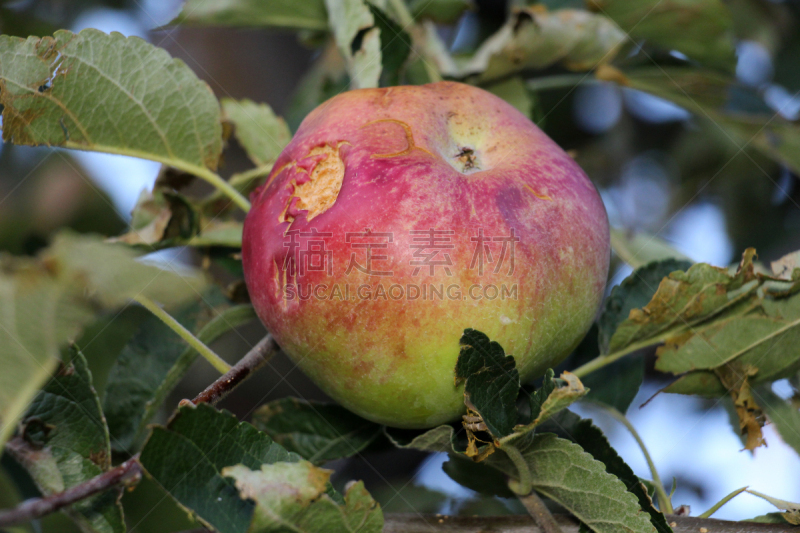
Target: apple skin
<point x="393" y="160"/>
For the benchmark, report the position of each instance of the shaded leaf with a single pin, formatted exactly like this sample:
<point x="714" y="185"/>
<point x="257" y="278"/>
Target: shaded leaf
<point x="438" y="439"/>
<point x="160" y="110"/>
<point x="593" y="441"/>
<point x="161" y="218"/>
<point x="305" y="15"/>
<point x="565" y="473"/>
<point x="638" y="249"/>
<point x="492" y="382"/>
<point x="350" y="19"/>
<point x="634" y="292"/>
<point x="700" y="29"/>
<point x="440" y="11"/>
<point x="614" y="384"/>
<point x="261" y="133"/>
<point x="477" y="476"/>
<point x="783" y="414"/>
<point x="553" y="396"/>
<point x="706" y="94"/>
<point x="395" y="46"/>
<point x="292" y="497"/>
<point x="155" y="359"/>
<point x="514" y="91"/>
<point x="187" y="458"/>
<point x="46" y="301"/>
<point x="316" y="431"/>
<point x="64" y="442"/>
<point x="537" y="39"/>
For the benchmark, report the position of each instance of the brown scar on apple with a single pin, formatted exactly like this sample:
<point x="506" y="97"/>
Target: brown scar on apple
<point x="537" y="195"/>
<point x="410" y="145"/>
<point x="320" y="192"/>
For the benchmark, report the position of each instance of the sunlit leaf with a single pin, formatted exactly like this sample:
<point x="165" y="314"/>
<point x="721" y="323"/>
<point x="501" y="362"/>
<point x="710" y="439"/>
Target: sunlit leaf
<point x="350" y="19"/>
<point x="536" y="39"/>
<point x="48" y="300"/>
<point x="260" y="132"/>
<point x="153" y="106"/>
<point x="293" y="497"/>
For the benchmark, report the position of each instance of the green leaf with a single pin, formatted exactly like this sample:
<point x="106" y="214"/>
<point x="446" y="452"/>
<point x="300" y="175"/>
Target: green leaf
<point x="700" y="29"/>
<point x="316" y="431"/>
<point x="350" y="19"/>
<point x="681" y="300"/>
<point x="305" y="15"/>
<point x="706" y="94"/>
<point x="565" y="473"/>
<point x="155" y="360"/>
<point x="634" y="292"/>
<point x="638" y="249"/>
<point x="187" y="458"/>
<point x="492" y="382"/>
<point x="395" y="46"/>
<point x="792" y="510"/>
<point x="48" y="300"/>
<point x="536" y="39"/>
<point x="161" y="218"/>
<point x="64" y="442"/>
<point x="292" y="497"/>
<point x="479" y="477"/>
<point x="440" y="11"/>
<point x="593" y="441"/>
<point x="153" y="106"/>
<point x="261" y="133"/>
<point x="514" y="91"/>
<point x="554" y="396"/>
<point x="783" y="414"/>
<point x="438" y="439"/>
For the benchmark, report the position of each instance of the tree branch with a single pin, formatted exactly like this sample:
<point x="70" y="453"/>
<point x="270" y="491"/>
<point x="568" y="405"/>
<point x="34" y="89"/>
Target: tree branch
<point x="416" y="523"/>
<point x="127" y="472"/>
<point x="252" y="361"/>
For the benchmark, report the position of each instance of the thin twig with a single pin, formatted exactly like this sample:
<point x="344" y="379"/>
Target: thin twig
<point x="252" y="361"/>
<point x="722" y="502"/>
<point x="127" y="472"/>
<point x="540" y="513"/>
<point x="207" y="353"/>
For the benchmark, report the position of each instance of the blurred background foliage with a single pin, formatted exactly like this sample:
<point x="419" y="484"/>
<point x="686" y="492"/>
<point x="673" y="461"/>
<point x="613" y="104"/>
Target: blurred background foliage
<point x="661" y="168"/>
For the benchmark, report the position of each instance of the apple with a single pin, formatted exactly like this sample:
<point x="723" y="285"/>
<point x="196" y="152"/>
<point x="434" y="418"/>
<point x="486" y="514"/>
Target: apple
<point x="395" y="219"/>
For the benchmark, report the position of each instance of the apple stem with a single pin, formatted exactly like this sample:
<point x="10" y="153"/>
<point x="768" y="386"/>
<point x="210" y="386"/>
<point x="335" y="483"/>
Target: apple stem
<point x="664" y="501"/>
<point x="207" y="353"/>
<point x="524" y="485"/>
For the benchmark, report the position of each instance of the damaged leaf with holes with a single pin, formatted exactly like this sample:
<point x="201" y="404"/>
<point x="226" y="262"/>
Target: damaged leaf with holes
<point x="295" y="497"/>
<point x="534" y="39"/>
<point x="64" y="441"/>
<point x="491" y="384"/>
